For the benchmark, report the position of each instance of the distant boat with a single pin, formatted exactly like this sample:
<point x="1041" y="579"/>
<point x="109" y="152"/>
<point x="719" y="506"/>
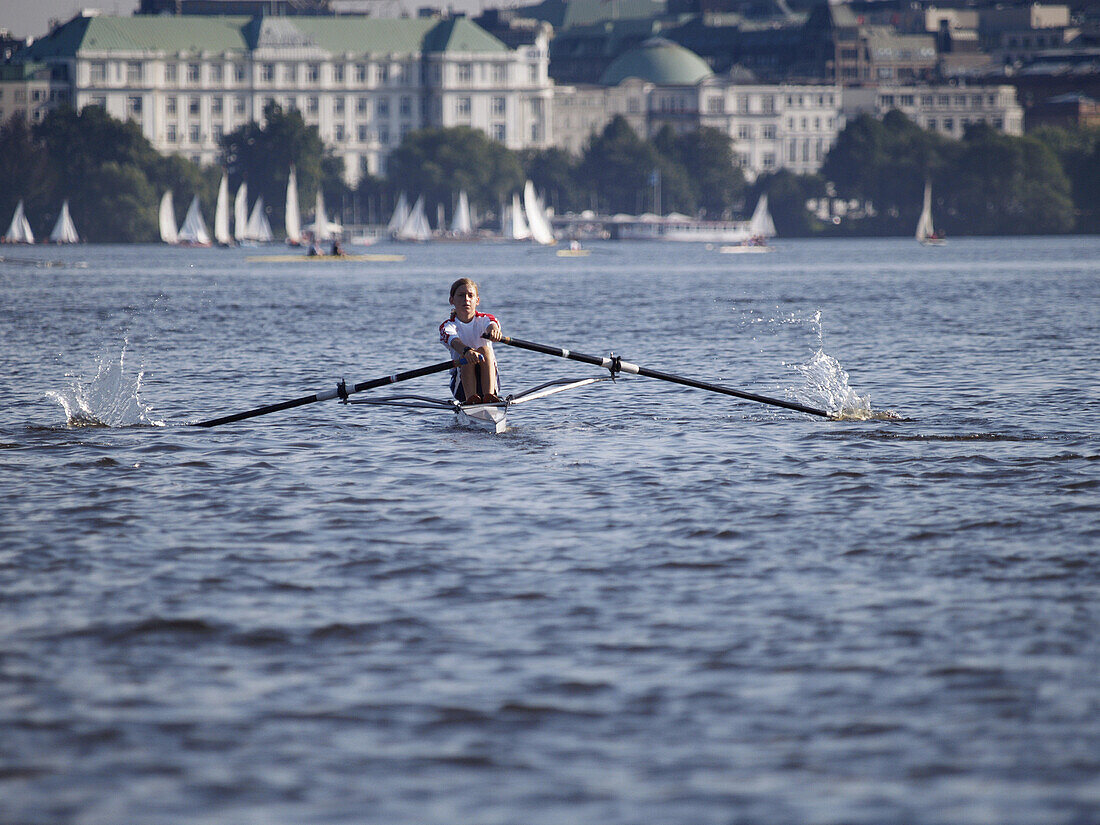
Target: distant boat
<point x="926" y="234"/>
<point x="221" y="214"/>
<point x="292" y="221"/>
<point x="258" y="229"/>
<point x="515" y="226"/>
<point x="193" y="232"/>
<point x="240" y="213"/>
<point x="537" y="221"/>
<point x="168" y="231"/>
<point x="760" y="228"/>
<point x="461" y="223"/>
<point x="399" y="216"/>
<point x="20" y="229"/>
<point x="64" y="231"/>
<point x="416" y="226"/>
<point x="322" y="228"/>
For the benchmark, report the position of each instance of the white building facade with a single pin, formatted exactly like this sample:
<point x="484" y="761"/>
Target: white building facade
<point x="944" y="109"/>
<point x="364" y="83"/>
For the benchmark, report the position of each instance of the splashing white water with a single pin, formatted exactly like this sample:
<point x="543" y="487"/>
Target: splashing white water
<point x="111" y="399"/>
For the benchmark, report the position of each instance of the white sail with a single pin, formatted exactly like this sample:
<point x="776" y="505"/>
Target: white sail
<point x="168" y="231"/>
<point x="293" y="220"/>
<point x="258" y="229"/>
<point x="462" y="224"/>
<point x="924" y="224"/>
<point x="64" y="231"/>
<point x="761" y="224"/>
<point x="537" y="221"/>
<point x="517" y="226"/>
<point x="221" y="214"/>
<point x="193" y="230"/>
<point x="400" y="215"/>
<point x="322" y="228"/>
<point x="20" y="229"/>
<point x="240" y="213"/>
<point x="416" y="226"/>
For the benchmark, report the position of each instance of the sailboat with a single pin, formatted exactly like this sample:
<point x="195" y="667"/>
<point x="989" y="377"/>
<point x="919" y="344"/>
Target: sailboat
<point x="258" y="229"/>
<point x="292" y="221"/>
<point x="399" y="216"/>
<point x="461" y="224"/>
<point x="193" y="232"/>
<point x="240" y="213"/>
<point x="221" y="214"/>
<point x="416" y="226"/>
<point x="515" y="226"/>
<point x="322" y="228"/>
<point x="20" y="229"/>
<point x="926" y="234"/>
<point x="168" y="231"/>
<point x="760" y="228"/>
<point x="64" y="231"/>
<point x="537" y="221"/>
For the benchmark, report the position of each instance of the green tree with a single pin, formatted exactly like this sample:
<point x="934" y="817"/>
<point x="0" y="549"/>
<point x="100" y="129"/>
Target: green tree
<point x="25" y="174"/>
<point x="132" y="216"/>
<point x="717" y="181"/>
<point x="555" y="173"/>
<point x="1078" y="150"/>
<point x="787" y="196"/>
<point x="616" y="168"/>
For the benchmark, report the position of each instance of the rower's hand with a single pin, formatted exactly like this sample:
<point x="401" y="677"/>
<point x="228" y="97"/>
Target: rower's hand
<point x="493" y="332"/>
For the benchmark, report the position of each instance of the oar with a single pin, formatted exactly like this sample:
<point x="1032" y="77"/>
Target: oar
<point x="342" y="391"/>
<point x="618" y="365"/>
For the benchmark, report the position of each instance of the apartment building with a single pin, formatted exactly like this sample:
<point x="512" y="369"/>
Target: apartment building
<point x="944" y="109"/>
<point x="364" y="83"/>
<point x="28" y="90"/>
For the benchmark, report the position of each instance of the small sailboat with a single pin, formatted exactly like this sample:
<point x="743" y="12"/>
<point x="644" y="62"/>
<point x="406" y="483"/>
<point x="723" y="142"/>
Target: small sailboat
<point x="20" y="229"/>
<point x="537" y="221"/>
<point x="926" y="234"/>
<point x="416" y="226"/>
<point x="168" y="231"/>
<point x="258" y="229"/>
<point x="761" y="227"/>
<point x="292" y="220"/>
<point x="64" y="231"/>
<point x="322" y="228"/>
<point x="193" y="232"/>
<point x="515" y="227"/>
<point x="240" y="213"/>
<point x="221" y="214"/>
<point x="399" y="216"/>
<point x="461" y="224"/>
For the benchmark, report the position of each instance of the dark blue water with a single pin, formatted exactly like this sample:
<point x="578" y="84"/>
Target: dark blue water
<point x="642" y="604"/>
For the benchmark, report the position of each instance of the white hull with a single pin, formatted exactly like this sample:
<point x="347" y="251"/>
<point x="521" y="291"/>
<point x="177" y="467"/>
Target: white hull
<point x="490" y="417"/>
<point x="741" y="249"/>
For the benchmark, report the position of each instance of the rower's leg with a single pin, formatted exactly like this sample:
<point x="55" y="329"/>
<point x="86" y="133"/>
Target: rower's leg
<point x="469" y="375"/>
<point x="489" y="370"/>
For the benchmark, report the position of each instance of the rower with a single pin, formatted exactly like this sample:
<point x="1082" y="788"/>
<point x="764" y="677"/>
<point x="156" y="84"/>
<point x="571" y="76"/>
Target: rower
<point x="468" y="336"/>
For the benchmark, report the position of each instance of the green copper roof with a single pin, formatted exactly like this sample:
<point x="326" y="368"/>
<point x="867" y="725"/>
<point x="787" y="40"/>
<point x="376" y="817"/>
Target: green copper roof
<point x="194" y="33"/>
<point x="658" y="61"/>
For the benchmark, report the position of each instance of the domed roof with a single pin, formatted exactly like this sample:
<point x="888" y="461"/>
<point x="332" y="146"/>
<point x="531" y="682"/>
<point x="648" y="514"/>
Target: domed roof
<point x="659" y="61"/>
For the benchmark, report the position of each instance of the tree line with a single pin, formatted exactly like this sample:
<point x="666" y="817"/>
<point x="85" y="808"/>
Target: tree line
<point x="985" y="183"/>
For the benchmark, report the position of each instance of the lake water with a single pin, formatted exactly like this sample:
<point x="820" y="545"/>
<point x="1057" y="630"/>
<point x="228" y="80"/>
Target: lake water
<point x="641" y="604"/>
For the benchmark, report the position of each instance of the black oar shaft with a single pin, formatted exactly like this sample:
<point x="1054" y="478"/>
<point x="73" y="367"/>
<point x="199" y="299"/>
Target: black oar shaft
<point x="634" y="369"/>
<point x="326" y="395"/>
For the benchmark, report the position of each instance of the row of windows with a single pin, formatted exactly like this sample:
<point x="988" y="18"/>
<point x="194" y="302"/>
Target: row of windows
<point x="362" y="134"/>
<point x="975" y="100"/>
<point x="948" y="123"/>
<point x="362" y="105"/>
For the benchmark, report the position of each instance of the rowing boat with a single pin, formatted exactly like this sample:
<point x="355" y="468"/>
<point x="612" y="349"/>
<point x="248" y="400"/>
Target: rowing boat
<point x="304" y="259"/>
<point x="489" y="417"/>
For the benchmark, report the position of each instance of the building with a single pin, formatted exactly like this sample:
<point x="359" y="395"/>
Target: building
<point x="941" y="108"/>
<point x="364" y="83"/>
<point x="28" y="90"/>
<point x="771" y="126"/>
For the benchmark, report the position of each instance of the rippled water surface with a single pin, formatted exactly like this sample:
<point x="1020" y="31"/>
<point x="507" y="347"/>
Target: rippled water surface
<point x="641" y="604"/>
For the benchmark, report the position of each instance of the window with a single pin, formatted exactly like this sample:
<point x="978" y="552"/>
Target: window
<point x="943" y="100"/>
<point x="744" y="132"/>
<point x="887" y="100"/>
<point x="313" y="72"/>
<point x="97" y="72"/>
<point x="170" y="134"/>
<point x="499" y="132"/>
<point x="193" y="105"/>
<point x="926" y="100"/>
<point x="931" y="124"/>
<point x="170" y="105"/>
<point x="194" y="72"/>
<point x="339" y="133"/>
<point x="998" y="123"/>
<point x="360" y="72"/>
<point x="406" y="106"/>
<point x="465" y="73"/>
<point x="195" y="134"/>
<point x="362" y="128"/>
<point x="338" y="106"/>
<point x="239" y="106"/>
<point x="768" y="104"/>
<point x="338" y="73"/>
<point x="769" y="132"/>
<point x="769" y="160"/>
<point x="498" y="106"/>
<point x="714" y="105"/>
<point x="133" y="106"/>
<point x="500" y="72"/>
<point x="361" y="105"/>
<point x="533" y="72"/>
<point x="382" y="107"/>
<point x="290" y="72"/>
<point x="312" y="105"/>
<point x="133" y="72"/>
<point x="948" y="124"/>
<point x="216" y="106"/>
<point x="170" y="73"/>
<point x="634" y="105"/>
<point x="216" y="73"/>
<point x="99" y="101"/>
<point x="462" y="107"/>
<point x="908" y="100"/>
<point x="218" y="132"/>
<point x="267" y="72"/>
<point x="384" y="135"/>
<point x="239" y="72"/>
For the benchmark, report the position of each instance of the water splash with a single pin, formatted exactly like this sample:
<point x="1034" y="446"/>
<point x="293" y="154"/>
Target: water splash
<point x="110" y="399"/>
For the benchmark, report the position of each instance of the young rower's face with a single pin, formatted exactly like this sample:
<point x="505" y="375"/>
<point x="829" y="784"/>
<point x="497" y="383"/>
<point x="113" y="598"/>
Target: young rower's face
<point x="465" y="301"/>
